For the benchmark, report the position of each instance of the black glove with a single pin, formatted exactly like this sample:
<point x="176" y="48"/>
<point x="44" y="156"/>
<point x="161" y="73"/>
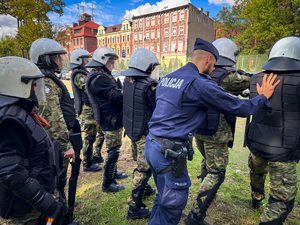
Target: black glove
<point x="76" y="128"/>
<point x="55" y="212"/>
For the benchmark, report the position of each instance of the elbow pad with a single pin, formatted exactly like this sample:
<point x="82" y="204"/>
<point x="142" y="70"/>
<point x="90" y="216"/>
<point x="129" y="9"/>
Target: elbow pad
<point x="29" y="190"/>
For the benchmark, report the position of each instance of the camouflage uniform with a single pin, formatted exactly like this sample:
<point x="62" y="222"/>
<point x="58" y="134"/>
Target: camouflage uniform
<point x="91" y="127"/>
<point x="283" y="185"/>
<point x="32" y="218"/>
<point x="142" y="172"/>
<point x="51" y="111"/>
<point x="214" y="148"/>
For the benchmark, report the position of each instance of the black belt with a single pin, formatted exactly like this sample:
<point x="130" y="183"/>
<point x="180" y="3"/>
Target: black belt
<point x="160" y="139"/>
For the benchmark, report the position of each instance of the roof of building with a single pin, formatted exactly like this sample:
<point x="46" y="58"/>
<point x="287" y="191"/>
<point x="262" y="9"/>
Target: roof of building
<point x="163" y="10"/>
<point x="114" y="28"/>
<point x="89" y="24"/>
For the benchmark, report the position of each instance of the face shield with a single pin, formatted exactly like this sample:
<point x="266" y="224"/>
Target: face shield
<point x="155" y="73"/>
<point x="60" y="63"/>
<point x="110" y="65"/>
<point x="86" y="60"/>
<point x="38" y="87"/>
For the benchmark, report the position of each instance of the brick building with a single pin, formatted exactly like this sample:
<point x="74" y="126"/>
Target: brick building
<point x="81" y="35"/>
<point x="175" y="37"/>
<point x="117" y="37"/>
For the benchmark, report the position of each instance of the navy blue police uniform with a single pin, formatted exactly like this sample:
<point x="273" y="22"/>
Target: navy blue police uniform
<point x="182" y="100"/>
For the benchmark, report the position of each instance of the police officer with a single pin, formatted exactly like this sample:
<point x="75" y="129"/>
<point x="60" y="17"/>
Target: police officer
<point x="273" y="135"/>
<point x="214" y="139"/>
<point x="106" y="97"/>
<point x="182" y="100"/>
<point x="78" y="59"/>
<point x="58" y="110"/>
<point x="28" y="162"/>
<point x="138" y="106"/>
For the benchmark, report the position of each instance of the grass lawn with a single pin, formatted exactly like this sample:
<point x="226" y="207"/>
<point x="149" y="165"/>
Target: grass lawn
<point x="232" y="205"/>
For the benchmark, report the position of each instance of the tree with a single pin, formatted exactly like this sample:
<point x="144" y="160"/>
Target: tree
<point x="32" y="19"/>
<point x="257" y="24"/>
<point x="8" y="47"/>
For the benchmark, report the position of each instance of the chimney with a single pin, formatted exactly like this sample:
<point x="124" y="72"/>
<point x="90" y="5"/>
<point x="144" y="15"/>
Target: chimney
<point x="206" y="13"/>
<point x="200" y="9"/>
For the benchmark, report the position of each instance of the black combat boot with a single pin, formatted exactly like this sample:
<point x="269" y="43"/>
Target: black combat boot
<point x="109" y="182"/>
<point x="138" y="213"/>
<point x="119" y="174"/>
<point x="89" y="164"/>
<point x="195" y="219"/>
<point x="97" y="152"/>
<point x="149" y="191"/>
<point x="255" y="202"/>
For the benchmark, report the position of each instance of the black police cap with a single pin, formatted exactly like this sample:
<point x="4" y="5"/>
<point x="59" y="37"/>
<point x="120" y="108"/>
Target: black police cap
<point x="206" y="46"/>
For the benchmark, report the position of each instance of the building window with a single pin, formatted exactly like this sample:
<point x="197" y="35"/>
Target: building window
<point x="165" y="46"/>
<point x="174" y="17"/>
<point x="123" y="50"/>
<point x="158" y="47"/>
<point x="136" y="25"/>
<point x="99" y="41"/>
<point x="77" y="41"/>
<point x="118" y="51"/>
<point x="128" y="50"/>
<point x="166" y="19"/>
<point x="174" y="31"/>
<point x="180" y="45"/>
<point x="108" y="40"/>
<point x="181" y="30"/>
<point x="126" y="26"/>
<point x="103" y="41"/>
<point x="128" y="37"/>
<point x="147" y="46"/>
<point x="152" y="46"/>
<point x="153" y="22"/>
<point x="147" y="35"/>
<point x="94" y="31"/>
<point x="147" y="23"/>
<point x="74" y="41"/>
<point x="141" y="24"/>
<point x="123" y="38"/>
<point x="135" y="47"/>
<point x="113" y="40"/>
<point x="152" y="34"/>
<point x="77" y="31"/>
<point x="140" y="36"/>
<point x="135" y="36"/>
<point x="81" y="41"/>
<point x="166" y="32"/>
<point x="182" y="16"/>
<point x="173" y="46"/>
<point x="118" y="39"/>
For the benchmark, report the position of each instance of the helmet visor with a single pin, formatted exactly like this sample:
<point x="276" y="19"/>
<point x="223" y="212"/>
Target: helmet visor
<point x="61" y="61"/>
<point x="155" y="73"/>
<point x="38" y="86"/>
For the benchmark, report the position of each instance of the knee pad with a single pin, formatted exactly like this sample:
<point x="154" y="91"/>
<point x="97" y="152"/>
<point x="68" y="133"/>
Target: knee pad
<point x="174" y="198"/>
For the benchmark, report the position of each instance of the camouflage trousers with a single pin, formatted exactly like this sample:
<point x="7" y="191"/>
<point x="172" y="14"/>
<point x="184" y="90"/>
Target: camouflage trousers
<point x="283" y="184"/>
<point x="31" y="218"/>
<point x="141" y="173"/>
<point x="214" y="149"/>
<point x="93" y="135"/>
<point x="113" y="139"/>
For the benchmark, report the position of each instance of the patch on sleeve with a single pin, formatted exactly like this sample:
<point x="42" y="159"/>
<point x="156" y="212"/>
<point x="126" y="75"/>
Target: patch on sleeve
<point x="47" y="90"/>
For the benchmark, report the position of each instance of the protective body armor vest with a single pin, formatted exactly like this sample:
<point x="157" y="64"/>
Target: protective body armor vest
<point x="136" y="111"/>
<point x="213" y="117"/>
<point x="66" y="103"/>
<point x="274" y="134"/>
<point x="103" y="109"/>
<point x="79" y="95"/>
<point x="41" y="160"/>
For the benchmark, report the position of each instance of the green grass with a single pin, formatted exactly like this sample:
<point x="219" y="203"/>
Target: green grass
<point x="231" y="206"/>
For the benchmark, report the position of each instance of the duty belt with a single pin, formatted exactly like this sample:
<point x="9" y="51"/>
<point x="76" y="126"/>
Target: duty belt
<point x="177" y="151"/>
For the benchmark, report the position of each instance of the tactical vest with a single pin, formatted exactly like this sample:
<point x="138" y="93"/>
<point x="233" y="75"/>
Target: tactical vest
<point x="41" y="160"/>
<point x="136" y="112"/>
<point x="79" y="95"/>
<point x="213" y="117"/>
<point x="100" y="104"/>
<point x="66" y="103"/>
<point x="274" y="134"/>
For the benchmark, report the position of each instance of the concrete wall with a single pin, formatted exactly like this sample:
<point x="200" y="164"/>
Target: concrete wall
<point x="199" y="25"/>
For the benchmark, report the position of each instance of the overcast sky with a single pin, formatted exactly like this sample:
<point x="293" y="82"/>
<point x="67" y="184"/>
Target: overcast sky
<point x="112" y="12"/>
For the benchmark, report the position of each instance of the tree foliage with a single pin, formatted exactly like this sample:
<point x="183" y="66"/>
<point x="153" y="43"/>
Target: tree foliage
<point x="32" y="18"/>
<point x="258" y="24"/>
<point x="8" y="47"/>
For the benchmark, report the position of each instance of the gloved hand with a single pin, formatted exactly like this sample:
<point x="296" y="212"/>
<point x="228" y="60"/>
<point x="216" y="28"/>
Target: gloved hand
<point x="76" y="128"/>
<point x="55" y="213"/>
